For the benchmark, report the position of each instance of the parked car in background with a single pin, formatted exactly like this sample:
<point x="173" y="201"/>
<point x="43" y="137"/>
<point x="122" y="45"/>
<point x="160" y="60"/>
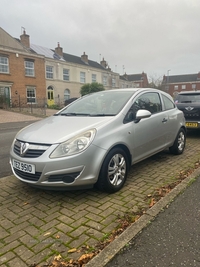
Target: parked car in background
<point x="189" y="103"/>
<point x="70" y="100"/>
<point x="96" y="139"/>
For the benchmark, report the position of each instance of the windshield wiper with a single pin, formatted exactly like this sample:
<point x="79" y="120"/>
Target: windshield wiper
<point x="74" y="114"/>
<point x="101" y="115"/>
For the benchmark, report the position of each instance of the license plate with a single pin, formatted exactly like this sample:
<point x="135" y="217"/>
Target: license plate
<point x="191" y="124"/>
<point x="24" y="167"/>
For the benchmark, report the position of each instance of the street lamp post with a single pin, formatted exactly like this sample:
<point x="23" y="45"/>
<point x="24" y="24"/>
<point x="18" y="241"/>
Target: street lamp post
<point x="168" y="79"/>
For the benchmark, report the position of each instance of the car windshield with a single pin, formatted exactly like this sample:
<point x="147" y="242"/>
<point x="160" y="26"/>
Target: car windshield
<point x="188" y="98"/>
<point x="104" y="103"/>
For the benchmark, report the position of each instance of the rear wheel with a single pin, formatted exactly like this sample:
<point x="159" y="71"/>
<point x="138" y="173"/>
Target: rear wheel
<point x="179" y="143"/>
<point x="113" y="171"/>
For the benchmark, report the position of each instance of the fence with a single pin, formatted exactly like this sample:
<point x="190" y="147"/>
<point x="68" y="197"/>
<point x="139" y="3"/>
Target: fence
<point x="31" y="106"/>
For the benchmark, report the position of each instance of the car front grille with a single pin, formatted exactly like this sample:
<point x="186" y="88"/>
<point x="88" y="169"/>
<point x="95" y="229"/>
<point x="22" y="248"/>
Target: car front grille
<point x="28" y="150"/>
<point x="28" y="176"/>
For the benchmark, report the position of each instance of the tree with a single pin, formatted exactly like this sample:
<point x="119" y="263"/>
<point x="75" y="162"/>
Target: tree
<point x="89" y="88"/>
<point x="155" y="82"/>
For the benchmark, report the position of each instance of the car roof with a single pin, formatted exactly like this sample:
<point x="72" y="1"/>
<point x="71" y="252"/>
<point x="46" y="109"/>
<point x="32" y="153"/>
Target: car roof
<point x="189" y="92"/>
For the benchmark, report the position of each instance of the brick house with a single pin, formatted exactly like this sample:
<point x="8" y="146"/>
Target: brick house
<point x="22" y="72"/>
<point x="176" y="83"/>
<point x="66" y="73"/>
<point x="134" y="80"/>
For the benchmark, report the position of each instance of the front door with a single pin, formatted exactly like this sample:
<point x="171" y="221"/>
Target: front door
<point x="50" y="95"/>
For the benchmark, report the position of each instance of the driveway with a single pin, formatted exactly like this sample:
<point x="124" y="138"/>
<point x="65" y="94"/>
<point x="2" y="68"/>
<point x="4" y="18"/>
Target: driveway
<point x="36" y="225"/>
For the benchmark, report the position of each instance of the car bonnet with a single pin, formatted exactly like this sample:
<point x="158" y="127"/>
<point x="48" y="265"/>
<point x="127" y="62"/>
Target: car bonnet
<point x="56" y="129"/>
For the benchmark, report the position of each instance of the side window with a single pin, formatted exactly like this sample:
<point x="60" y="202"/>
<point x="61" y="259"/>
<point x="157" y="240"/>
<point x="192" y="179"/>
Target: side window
<point x="150" y="102"/>
<point x="168" y="104"/>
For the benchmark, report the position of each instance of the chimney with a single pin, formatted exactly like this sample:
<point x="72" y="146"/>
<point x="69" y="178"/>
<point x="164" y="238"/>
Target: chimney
<point x="59" y="50"/>
<point x="103" y="63"/>
<point x="84" y="58"/>
<point x="25" y="40"/>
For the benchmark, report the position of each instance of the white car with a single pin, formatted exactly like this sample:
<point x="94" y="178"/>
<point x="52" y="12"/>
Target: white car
<point x="95" y="139"/>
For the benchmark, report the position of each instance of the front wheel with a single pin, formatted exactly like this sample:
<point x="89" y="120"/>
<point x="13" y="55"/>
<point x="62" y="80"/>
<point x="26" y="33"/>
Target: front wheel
<point x="113" y="171"/>
<point x="179" y="143"/>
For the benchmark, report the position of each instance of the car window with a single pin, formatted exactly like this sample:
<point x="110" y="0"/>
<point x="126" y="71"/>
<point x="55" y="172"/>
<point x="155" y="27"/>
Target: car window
<point x="187" y="98"/>
<point x="168" y="104"/>
<point x="106" y="103"/>
<point x="149" y="101"/>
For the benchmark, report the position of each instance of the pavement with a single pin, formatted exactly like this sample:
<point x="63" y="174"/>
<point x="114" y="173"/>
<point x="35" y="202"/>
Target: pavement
<point x="172" y="239"/>
<point x="36" y="225"/>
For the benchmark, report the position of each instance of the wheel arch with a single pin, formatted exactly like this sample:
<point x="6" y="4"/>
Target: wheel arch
<point x="126" y="150"/>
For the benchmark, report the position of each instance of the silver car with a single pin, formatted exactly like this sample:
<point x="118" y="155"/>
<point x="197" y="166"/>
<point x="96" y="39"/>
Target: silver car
<point x="96" y="139"/>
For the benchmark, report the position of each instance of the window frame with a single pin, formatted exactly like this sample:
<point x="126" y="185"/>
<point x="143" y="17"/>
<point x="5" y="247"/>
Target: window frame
<point x="105" y="80"/>
<point x="65" y="75"/>
<point x="94" y="78"/>
<point x="33" y="96"/>
<point x="82" y="77"/>
<point x="29" y="70"/>
<point x="4" y="65"/>
<point x="49" y="73"/>
<point x="113" y="82"/>
<point x="194" y="86"/>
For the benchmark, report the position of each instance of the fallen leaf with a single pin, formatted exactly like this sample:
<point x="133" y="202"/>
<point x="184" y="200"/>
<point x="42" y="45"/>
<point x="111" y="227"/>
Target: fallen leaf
<point x="47" y="233"/>
<point x="72" y="250"/>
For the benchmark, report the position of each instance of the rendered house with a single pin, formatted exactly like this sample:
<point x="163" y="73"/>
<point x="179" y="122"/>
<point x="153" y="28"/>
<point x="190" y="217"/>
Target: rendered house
<point x="35" y="73"/>
<point x="66" y="73"/>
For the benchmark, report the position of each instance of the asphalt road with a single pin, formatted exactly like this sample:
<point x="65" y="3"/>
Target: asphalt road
<point x="173" y="238"/>
<point x="7" y="134"/>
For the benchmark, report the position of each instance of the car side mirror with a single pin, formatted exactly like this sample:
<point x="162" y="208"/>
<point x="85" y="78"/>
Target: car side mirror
<point x="142" y="114"/>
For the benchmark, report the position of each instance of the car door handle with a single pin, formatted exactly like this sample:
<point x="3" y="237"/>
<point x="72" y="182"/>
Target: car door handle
<point x="164" y="120"/>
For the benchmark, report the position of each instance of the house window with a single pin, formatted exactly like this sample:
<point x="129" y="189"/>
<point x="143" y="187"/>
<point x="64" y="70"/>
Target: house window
<point x="4" y="67"/>
<point x="31" y="94"/>
<point x="113" y="82"/>
<point x="49" y="72"/>
<point x="104" y="80"/>
<point x="66" y="94"/>
<point x="65" y="74"/>
<point x="94" y="78"/>
<point x="193" y="86"/>
<point x="183" y="86"/>
<point x="29" y="68"/>
<point x="82" y="77"/>
<point x="175" y="87"/>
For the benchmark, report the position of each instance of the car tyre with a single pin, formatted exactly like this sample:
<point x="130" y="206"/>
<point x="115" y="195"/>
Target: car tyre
<point x="179" y="143"/>
<point x="114" y="171"/>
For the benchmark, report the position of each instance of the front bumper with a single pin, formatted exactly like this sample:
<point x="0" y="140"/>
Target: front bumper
<point x="77" y="171"/>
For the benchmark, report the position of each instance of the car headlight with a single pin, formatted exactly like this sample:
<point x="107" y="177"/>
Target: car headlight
<point x="74" y="145"/>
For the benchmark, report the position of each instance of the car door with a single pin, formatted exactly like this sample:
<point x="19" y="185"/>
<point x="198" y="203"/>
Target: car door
<point x="171" y="114"/>
<point x="147" y="136"/>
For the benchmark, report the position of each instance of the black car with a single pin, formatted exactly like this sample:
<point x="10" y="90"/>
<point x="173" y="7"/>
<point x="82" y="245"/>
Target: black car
<point x="189" y="103"/>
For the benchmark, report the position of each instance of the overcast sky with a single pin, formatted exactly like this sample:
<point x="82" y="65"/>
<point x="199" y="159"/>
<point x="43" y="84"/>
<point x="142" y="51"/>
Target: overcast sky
<point x="154" y="36"/>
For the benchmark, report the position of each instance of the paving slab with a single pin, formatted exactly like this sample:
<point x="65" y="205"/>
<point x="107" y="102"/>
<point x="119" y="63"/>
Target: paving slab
<point x="43" y="223"/>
